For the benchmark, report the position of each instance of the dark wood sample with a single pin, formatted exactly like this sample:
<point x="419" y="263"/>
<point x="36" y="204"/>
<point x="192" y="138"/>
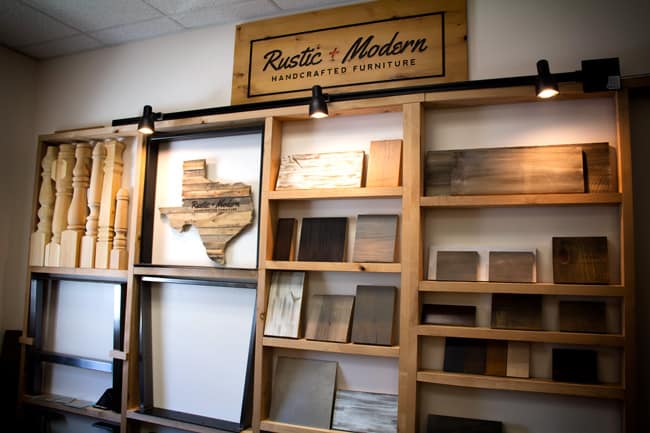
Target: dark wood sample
<point x="374" y="311"/>
<point x="375" y="238"/>
<point x="583" y="316"/>
<point x="510" y="311"/>
<point x="303" y="392"/>
<point x="323" y="239"/>
<point x="575" y="365"/>
<point x="384" y="163"/>
<point x="465" y="355"/>
<point x="328" y="318"/>
<point x="580" y="260"/>
<point x="512" y="266"/>
<point x="454" y="424"/>
<point x="457" y="265"/>
<point x="438" y="168"/>
<point x="599" y="163"/>
<point x="285" y="235"/>
<point x="370" y="412"/>
<point x="496" y="360"/>
<point x="458" y="315"/>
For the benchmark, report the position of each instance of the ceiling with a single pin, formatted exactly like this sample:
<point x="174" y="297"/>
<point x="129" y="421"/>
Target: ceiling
<point x="44" y="29"/>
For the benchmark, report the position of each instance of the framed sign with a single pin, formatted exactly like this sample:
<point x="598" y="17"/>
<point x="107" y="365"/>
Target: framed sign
<point x="361" y="47"/>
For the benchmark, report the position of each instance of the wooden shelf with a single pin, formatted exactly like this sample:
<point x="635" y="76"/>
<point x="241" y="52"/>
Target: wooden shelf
<point x="280" y="427"/>
<point x="197" y="273"/>
<point x="515" y="384"/>
<point x="86" y="274"/>
<point x="523" y="288"/>
<point x="156" y="420"/>
<point x="586" y="339"/>
<point x="333" y="266"/>
<point x="608" y="198"/>
<point x="325" y="346"/>
<point x="334" y="193"/>
<point x="92" y="412"/>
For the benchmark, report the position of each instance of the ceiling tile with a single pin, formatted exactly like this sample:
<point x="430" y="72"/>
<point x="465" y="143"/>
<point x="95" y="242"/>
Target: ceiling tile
<point x="136" y="31"/>
<point x="305" y="4"/>
<point x="61" y="47"/>
<point x="171" y="7"/>
<point x="22" y="25"/>
<point x="234" y="12"/>
<point x="92" y="15"/>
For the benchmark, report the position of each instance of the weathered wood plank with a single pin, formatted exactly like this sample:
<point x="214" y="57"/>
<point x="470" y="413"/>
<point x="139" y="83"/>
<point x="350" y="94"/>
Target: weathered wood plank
<point x="583" y="316"/>
<point x="512" y="267"/>
<point x="374" y="310"/>
<point x="285" y="304"/>
<point x="375" y="238"/>
<point x="323" y="239"/>
<point x="321" y="170"/>
<point x="370" y="412"/>
<point x="455" y="265"/>
<point x="457" y="315"/>
<point x="580" y="260"/>
<point x="328" y="318"/>
<point x="514" y="311"/>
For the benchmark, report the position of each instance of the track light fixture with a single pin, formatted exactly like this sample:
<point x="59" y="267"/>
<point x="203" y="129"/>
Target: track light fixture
<point x="545" y="86"/>
<point x="146" y="125"/>
<point x="318" y="103"/>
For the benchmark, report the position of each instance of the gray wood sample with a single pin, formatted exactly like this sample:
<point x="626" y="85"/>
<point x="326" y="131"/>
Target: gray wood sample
<point x="285" y="304"/>
<point x="303" y="392"/>
<point x="510" y="311"/>
<point x="374" y="311"/>
<point x="375" y="238"/>
<point x="453" y="424"/>
<point x="321" y="170"/>
<point x="323" y="239"/>
<point x="328" y="318"/>
<point x="580" y="260"/>
<point x="365" y="412"/>
<point x="454" y="315"/>
<point x="456" y="265"/>
<point x="518" y="359"/>
<point x="285" y="235"/>
<point x="583" y="316"/>
<point x="512" y="266"/>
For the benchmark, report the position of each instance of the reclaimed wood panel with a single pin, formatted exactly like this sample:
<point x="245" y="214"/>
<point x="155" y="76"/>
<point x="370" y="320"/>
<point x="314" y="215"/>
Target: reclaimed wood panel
<point x="575" y="365"/>
<point x="285" y="304"/>
<point x="496" y="360"/>
<point x="515" y="311"/>
<point x="518" y="364"/>
<point x="375" y="238"/>
<point x="285" y="236"/>
<point x="580" y="260"/>
<point x="303" y="392"/>
<point x="321" y="170"/>
<point x="455" y="265"/>
<point x="374" y="311"/>
<point x="323" y="239"/>
<point x="512" y="267"/>
<point x="328" y="318"/>
<point x="384" y="163"/>
<point x="465" y="355"/>
<point x="599" y="164"/>
<point x="583" y="316"/>
<point x="454" y="424"/>
<point x="457" y="315"/>
<point x="365" y="412"/>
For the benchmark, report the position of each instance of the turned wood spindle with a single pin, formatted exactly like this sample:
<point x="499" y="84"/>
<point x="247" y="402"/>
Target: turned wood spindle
<point x="62" y="176"/>
<point x="87" y="256"/>
<point x="119" y="256"/>
<point x="43" y="232"/>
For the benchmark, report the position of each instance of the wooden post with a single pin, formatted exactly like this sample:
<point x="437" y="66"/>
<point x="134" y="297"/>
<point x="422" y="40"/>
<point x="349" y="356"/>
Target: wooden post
<point x="112" y="182"/>
<point x="119" y="256"/>
<point x="87" y="256"/>
<point x="43" y="232"/>
<point x="62" y="175"/>
<point x="71" y="238"/>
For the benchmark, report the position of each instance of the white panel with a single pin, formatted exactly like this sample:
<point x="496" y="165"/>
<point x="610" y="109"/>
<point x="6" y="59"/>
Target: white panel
<point x="13" y="29"/>
<point x="75" y="382"/>
<point x="304" y="4"/>
<point x="61" y="47"/>
<point x="229" y="159"/>
<point x="141" y="30"/>
<point x="200" y="343"/>
<point x="226" y="14"/>
<point x="170" y="7"/>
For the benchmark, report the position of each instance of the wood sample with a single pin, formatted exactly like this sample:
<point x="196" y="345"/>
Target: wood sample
<point x="321" y="170"/>
<point x="512" y="266"/>
<point x="456" y="266"/>
<point x="599" y="164"/>
<point x="328" y="318"/>
<point x="285" y="304"/>
<point x="43" y="233"/>
<point x="510" y="311"/>
<point x="119" y="255"/>
<point x="465" y="355"/>
<point x="575" y="365"/>
<point x="384" y="163"/>
<point x="453" y="424"/>
<point x="219" y="211"/>
<point x="518" y="359"/>
<point x="455" y="315"/>
<point x="438" y="169"/>
<point x="87" y="256"/>
<point x="583" y="316"/>
<point x="285" y="239"/>
<point x="375" y="238"/>
<point x="496" y="359"/>
<point x="365" y="412"/>
<point x="113" y="167"/>
<point x="303" y="392"/>
<point x="323" y="239"/>
<point x="62" y="176"/>
<point x="580" y="260"/>
<point x="374" y="311"/>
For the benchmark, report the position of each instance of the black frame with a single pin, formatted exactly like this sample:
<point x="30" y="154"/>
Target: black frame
<point x="146" y="369"/>
<point x="151" y="168"/>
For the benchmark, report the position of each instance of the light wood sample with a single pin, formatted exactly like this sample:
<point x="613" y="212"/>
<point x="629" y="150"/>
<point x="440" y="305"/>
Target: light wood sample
<point x="455" y="265"/>
<point x="515" y="311"/>
<point x="119" y="255"/>
<point x="323" y="239"/>
<point x="518" y="359"/>
<point x="580" y="260"/>
<point x="328" y="318"/>
<point x="454" y="315"/>
<point x="285" y="304"/>
<point x="303" y="392"/>
<point x="583" y="316"/>
<point x="465" y="355"/>
<point x="62" y="176"/>
<point x="87" y="256"/>
<point x="384" y="163"/>
<point x="369" y="412"/>
<point x="375" y="238"/>
<point x="496" y="359"/>
<point x="43" y="233"/>
<point x="512" y="266"/>
<point x="219" y="211"/>
<point x="453" y="424"/>
<point x="575" y="365"/>
<point x="321" y="170"/>
<point x="374" y="311"/>
<point x="285" y="239"/>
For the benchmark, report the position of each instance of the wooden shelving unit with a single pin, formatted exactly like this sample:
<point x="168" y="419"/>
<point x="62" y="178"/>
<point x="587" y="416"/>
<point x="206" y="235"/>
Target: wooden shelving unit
<point x="91" y="412"/>
<point x="80" y="273"/>
<point x="280" y="427"/>
<point x="506" y="200"/>
<point x="164" y="422"/>
<point x="333" y="266"/>
<point x="324" y="346"/>
<point x="522" y="288"/>
<point x="336" y="193"/>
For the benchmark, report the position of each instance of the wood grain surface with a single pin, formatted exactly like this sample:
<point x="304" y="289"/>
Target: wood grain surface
<point x="512" y="267"/>
<point x="323" y="239"/>
<point x="465" y="355"/>
<point x="374" y="311"/>
<point x="583" y="316"/>
<point x="514" y="311"/>
<point x="384" y="163"/>
<point x="375" y="238"/>
<point x="321" y="170"/>
<point x="580" y="260"/>
<point x="285" y="304"/>
<point x="518" y="359"/>
<point x="456" y="266"/>
<point x="328" y="318"/>
<point x="369" y="412"/>
<point x="285" y="239"/>
<point x="458" y="315"/>
<point x="496" y="362"/>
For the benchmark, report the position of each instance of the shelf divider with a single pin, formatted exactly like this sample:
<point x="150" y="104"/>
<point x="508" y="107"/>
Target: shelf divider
<point x="325" y="346"/>
<point x="281" y="427"/>
<point x="333" y="266"/>
<point x="83" y="274"/>
<point x="336" y="193"/>
<point x="524" y="288"/>
<point x="505" y="200"/>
